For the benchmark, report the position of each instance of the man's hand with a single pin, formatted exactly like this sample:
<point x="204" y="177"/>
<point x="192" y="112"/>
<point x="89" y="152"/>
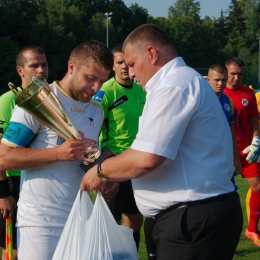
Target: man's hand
<point x="109" y="190"/>
<point x="253" y="150"/>
<point x="91" y="181"/>
<point x="76" y="150"/>
<point x="7" y="206"/>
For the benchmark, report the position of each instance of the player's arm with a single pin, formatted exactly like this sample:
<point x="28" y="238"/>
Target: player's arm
<point x="17" y="158"/>
<point x="237" y="163"/>
<point x="254" y="126"/>
<point x="7" y="202"/>
<point x="128" y="165"/>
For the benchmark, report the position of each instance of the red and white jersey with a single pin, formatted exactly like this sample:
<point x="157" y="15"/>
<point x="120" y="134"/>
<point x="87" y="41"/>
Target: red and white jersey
<point x="245" y="107"/>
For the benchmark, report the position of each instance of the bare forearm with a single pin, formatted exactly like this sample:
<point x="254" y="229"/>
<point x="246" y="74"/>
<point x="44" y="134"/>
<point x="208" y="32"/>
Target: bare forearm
<point x="128" y="165"/>
<point x="25" y="158"/>
<point x="254" y="126"/>
<point x="131" y="164"/>
<point x="234" y="140"/>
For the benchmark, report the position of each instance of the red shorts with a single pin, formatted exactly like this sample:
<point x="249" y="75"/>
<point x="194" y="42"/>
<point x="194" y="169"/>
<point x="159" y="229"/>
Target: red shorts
<point x="249" y="170"/>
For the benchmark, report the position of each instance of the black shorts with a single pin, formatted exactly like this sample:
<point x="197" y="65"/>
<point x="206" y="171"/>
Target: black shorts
<point x="123" y="202"/>
<point x="14" y="183"/>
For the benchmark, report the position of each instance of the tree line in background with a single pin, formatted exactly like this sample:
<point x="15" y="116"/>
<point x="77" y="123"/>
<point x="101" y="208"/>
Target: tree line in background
<point x="59" y="25"/>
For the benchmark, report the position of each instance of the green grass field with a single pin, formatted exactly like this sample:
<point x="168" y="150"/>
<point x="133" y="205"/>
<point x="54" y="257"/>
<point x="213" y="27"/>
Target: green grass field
<point x="245" y="246"/>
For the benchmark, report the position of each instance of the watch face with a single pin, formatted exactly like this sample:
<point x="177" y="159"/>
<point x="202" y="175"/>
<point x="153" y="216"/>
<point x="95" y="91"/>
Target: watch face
<point x="99" y="174"/>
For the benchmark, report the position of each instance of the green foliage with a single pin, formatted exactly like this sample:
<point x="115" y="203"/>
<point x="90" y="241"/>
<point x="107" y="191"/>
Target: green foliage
<point x="59" y="25"/>
<point x="8" y="52"/>
<point x="185" y="8"/>
<point x="245" y="246"/>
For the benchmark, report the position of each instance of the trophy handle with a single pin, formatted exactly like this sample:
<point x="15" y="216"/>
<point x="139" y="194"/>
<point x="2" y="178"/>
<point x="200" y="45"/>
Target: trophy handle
<point x="14" y="89"/>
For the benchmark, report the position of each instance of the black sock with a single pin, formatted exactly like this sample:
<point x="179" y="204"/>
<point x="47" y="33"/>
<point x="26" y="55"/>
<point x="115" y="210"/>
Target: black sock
<point x="150" y="245"/>
<point x="136" y="235"/>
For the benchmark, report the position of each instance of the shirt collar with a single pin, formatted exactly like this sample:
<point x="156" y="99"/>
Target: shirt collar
<point x="164" y="72"/>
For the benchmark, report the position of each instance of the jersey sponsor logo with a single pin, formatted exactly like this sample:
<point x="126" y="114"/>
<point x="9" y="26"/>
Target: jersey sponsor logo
<point x="91" y="121"/>
<point x="118" y="102"/>
<point x="227" y="107"/>
<point x="79" y="110"/>
<point x="99" y="96"/>
<point x="244" y="102"/>
<point x="2" y="122"/>
<point x="1" y="130"/>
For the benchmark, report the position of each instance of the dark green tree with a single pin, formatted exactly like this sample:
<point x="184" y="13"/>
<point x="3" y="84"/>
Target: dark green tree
<point x="57" y="31"/>
<point x="235" y="23"/>
<point x="17" y="17"/>
<point x="8" y="53"/>
<point x="185" y="30"/>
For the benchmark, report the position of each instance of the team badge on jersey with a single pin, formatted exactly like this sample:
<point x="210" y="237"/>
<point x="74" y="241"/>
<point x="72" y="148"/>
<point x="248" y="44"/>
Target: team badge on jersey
<point x="245" y="102"/>
<point x="227" y="107"/>
<point x="99" y="96"/>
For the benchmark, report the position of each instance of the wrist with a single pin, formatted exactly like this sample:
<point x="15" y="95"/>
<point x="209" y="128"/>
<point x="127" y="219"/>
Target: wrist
<point x="256" y="140"/>
<point x="100" y="174"/>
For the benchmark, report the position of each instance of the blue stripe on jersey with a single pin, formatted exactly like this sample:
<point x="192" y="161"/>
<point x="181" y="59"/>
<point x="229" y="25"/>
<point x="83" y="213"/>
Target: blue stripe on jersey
<point x="18" y="134"/>
<point x="99" y="96"/>
<point x="227" y="108"/>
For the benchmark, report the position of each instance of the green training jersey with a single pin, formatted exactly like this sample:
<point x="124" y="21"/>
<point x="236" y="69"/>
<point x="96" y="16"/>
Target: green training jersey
<point x="7" y="104"/>
<point x="123" y="105"/>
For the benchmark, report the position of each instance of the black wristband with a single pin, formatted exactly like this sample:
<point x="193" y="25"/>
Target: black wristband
<point x="4" y="189"/>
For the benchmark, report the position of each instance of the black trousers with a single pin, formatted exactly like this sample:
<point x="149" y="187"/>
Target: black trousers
<point x="207" y="230"/>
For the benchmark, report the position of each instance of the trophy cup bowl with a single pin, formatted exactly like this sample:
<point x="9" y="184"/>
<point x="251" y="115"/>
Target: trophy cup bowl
<point x="40" y="101"/>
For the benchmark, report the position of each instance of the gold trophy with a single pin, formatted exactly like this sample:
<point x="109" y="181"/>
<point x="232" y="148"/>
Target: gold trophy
<point x="40" y="101"/>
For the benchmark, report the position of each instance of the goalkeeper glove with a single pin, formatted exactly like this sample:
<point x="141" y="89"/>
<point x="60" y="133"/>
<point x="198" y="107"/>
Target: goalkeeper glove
<point x="254" y="150"/>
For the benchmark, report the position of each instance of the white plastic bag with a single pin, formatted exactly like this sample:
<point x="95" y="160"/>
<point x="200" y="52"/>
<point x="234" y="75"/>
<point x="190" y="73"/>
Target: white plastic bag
<point x="70" y="243"/>
<point x="105" y="239"/>
<point x="91" y="233"/>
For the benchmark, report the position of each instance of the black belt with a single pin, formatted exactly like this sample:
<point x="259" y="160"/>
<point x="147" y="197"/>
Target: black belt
<point x="187" y="204"/>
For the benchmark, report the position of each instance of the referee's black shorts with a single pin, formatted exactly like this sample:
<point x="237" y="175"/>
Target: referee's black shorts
<point x="208" y="230"/>
<point x="14" y="183"/>
<point x="123" y="202"/>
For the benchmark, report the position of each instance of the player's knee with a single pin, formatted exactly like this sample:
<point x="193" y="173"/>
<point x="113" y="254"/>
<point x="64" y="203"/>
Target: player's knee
<point x="256" y="187"/>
